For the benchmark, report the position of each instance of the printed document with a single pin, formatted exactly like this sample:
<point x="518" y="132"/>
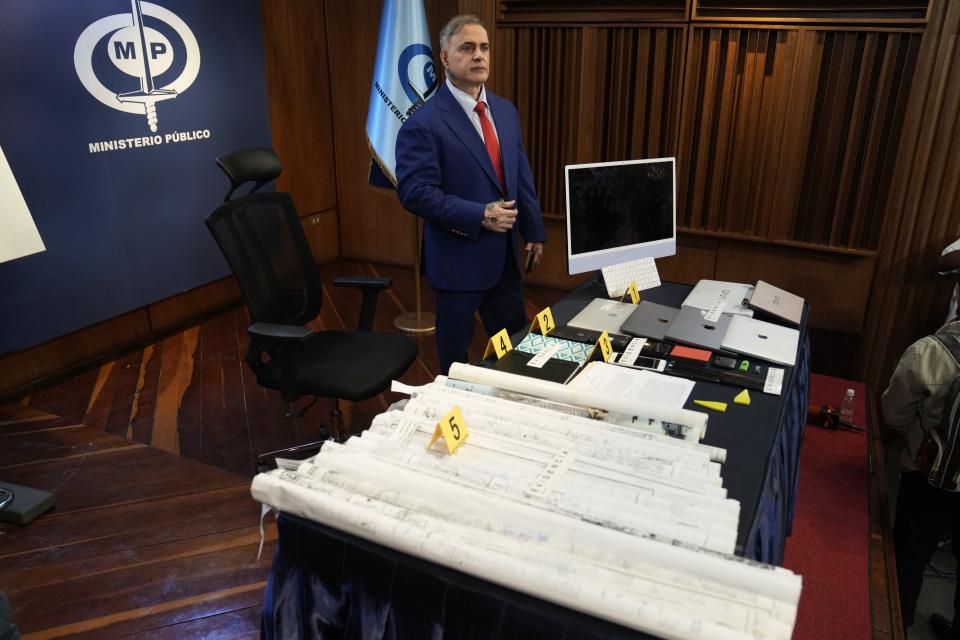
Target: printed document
<point x="633" y="384"/>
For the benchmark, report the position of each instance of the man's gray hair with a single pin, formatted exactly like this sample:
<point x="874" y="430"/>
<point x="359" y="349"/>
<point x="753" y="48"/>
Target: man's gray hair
<point x="454" y="25"/>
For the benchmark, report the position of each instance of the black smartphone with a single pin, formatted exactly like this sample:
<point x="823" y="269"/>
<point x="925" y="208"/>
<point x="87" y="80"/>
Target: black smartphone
<point x="659" y="348"/>
<point x="528" y="263"/>
<point x="724" y="362"/>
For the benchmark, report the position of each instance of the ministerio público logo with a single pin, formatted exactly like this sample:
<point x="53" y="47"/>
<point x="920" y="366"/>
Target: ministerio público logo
<point x="144" y="54"/>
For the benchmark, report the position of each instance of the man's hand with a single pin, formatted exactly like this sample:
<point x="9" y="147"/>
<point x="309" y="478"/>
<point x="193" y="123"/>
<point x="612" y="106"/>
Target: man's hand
<point x="537" y="249"/>
<point x="500" y="216"/>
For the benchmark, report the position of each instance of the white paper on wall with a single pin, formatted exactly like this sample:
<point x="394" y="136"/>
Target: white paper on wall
<point x="19" y="236"/>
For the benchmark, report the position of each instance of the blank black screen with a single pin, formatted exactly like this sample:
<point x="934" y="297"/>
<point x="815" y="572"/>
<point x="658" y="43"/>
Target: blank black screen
<point x="620" y="205"/>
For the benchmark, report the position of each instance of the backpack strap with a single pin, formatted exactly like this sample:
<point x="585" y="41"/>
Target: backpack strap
<point x="950" y="342"/>
<point x="943" y="467"/>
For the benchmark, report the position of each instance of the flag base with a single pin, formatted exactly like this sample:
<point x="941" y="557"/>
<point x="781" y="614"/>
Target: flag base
<point x="423" y="323"/>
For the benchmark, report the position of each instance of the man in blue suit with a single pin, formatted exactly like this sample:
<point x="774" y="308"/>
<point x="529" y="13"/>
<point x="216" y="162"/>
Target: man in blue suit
<point x="461" y="166"/>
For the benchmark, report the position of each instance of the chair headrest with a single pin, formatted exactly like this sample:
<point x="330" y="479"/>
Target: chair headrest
<point x="259" y="165"/>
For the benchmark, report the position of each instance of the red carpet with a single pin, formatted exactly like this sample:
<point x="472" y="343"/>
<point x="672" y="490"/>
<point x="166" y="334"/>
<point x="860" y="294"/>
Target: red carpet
<point x="829" y="543"/>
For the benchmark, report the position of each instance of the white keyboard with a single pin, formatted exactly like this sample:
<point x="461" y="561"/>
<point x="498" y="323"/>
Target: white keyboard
<point x="619" y="276"/>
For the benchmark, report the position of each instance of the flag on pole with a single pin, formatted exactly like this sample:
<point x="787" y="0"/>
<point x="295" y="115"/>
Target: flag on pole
<point x="404" y="76"/>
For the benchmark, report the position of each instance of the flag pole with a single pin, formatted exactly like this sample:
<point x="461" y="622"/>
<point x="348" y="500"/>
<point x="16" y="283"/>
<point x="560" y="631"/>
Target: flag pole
<point x="419" y="321"/>
<point x="404" y="77"/>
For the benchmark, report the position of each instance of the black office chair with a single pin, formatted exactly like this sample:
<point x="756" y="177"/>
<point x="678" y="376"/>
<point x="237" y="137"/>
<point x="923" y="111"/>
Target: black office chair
<point x="263" y="242"/>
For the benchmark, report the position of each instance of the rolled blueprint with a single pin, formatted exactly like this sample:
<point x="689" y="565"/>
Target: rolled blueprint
<point x="569" y="424"/>
<point x="695" y="421"/>
<point x="565" y="418"/>
<point x="619" y="523"/>
<point x="671" y="606"/>
<point x="690" y="519"/>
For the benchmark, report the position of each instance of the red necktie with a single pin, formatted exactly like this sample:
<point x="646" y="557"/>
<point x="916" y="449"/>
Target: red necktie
<point x="490" y="139"/>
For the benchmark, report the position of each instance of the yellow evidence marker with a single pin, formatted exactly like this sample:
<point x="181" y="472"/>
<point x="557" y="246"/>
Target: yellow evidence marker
<point x="545" y="320"/>
<point x="711" y="404"/>
<point x="633" y="292"/>
<point x="452" y="428"/>
<point x="499" y="343"/>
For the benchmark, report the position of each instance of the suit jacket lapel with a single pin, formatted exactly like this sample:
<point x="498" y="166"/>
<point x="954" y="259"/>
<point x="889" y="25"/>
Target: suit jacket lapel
<point x="460" y="124"/>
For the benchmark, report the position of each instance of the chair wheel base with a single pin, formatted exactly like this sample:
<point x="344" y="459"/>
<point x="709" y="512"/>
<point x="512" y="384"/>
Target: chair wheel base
<point x="293" y="412"/>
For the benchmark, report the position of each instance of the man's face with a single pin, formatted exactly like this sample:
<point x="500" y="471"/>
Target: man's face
<point x="467" y="56"/>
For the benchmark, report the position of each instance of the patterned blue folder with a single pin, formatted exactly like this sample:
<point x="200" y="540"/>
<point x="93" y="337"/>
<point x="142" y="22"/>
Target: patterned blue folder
<point x="569" y="350"/>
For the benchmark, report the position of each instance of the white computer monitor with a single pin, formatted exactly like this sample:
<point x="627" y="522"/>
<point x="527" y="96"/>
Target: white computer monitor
<point x="620" y="211"/>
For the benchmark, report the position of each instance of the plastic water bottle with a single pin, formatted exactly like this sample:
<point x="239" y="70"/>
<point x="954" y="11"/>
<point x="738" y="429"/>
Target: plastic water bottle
<point x="846" y="407"/>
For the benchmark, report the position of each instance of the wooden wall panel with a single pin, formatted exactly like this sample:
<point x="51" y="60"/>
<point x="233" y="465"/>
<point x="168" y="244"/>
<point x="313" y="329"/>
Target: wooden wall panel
<point x="483" y="9"/>
<point x="862" y="96"/>
<point x="586" y="11"/>
<point x="907" y="12"/>
<point x="586" y="94"/>
<point x="61" y="355"/>
<point x="322" y="232"/>
<point x="814" y="275"/>
<point x="696" y="258"/>
<point x="552" y="271"/>
<point x="173" y="312"/>
<point x="787" y="134"/>
<point x="922" y="213"/>
<point x="547" y="118"/>
<point x="299" y="88"/>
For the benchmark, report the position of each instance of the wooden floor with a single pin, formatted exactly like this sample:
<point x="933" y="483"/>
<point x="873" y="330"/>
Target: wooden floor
<point x="142" y="543"/>
<point x="155" y="534"/>
<point x="192" y="394"/>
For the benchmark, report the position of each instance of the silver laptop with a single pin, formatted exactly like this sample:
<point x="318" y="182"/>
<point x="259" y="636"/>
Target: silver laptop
<point x="777" y="303"/>
<point x="649" y="320"/>
<point x="731" y="295"/>
<point x="603" y="315"/>
<point x="690" y="327"/>
<point x="766" y="340"/>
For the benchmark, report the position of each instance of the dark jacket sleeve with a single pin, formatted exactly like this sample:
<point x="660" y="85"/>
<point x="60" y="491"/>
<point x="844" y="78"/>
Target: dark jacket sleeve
<point x="419" y="179"/>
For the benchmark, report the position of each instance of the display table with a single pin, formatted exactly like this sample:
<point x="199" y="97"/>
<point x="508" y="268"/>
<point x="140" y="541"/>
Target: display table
<point x="328" y="583"/>
<point x="762" y="449"/>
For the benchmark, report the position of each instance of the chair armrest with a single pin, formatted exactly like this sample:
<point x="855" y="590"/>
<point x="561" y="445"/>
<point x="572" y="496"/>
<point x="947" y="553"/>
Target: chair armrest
<point x="288" y="339"/>
<point x="370" y="287"/>
<point x="363" y="282"/>
<point x="281" y="332"/>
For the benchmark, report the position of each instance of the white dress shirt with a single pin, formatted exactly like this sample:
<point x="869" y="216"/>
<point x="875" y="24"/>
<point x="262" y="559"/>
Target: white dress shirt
<point x="469" y="104"/>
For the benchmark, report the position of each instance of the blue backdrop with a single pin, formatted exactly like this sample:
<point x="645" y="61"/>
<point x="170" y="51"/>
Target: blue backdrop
<point x="120" y="207"/>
